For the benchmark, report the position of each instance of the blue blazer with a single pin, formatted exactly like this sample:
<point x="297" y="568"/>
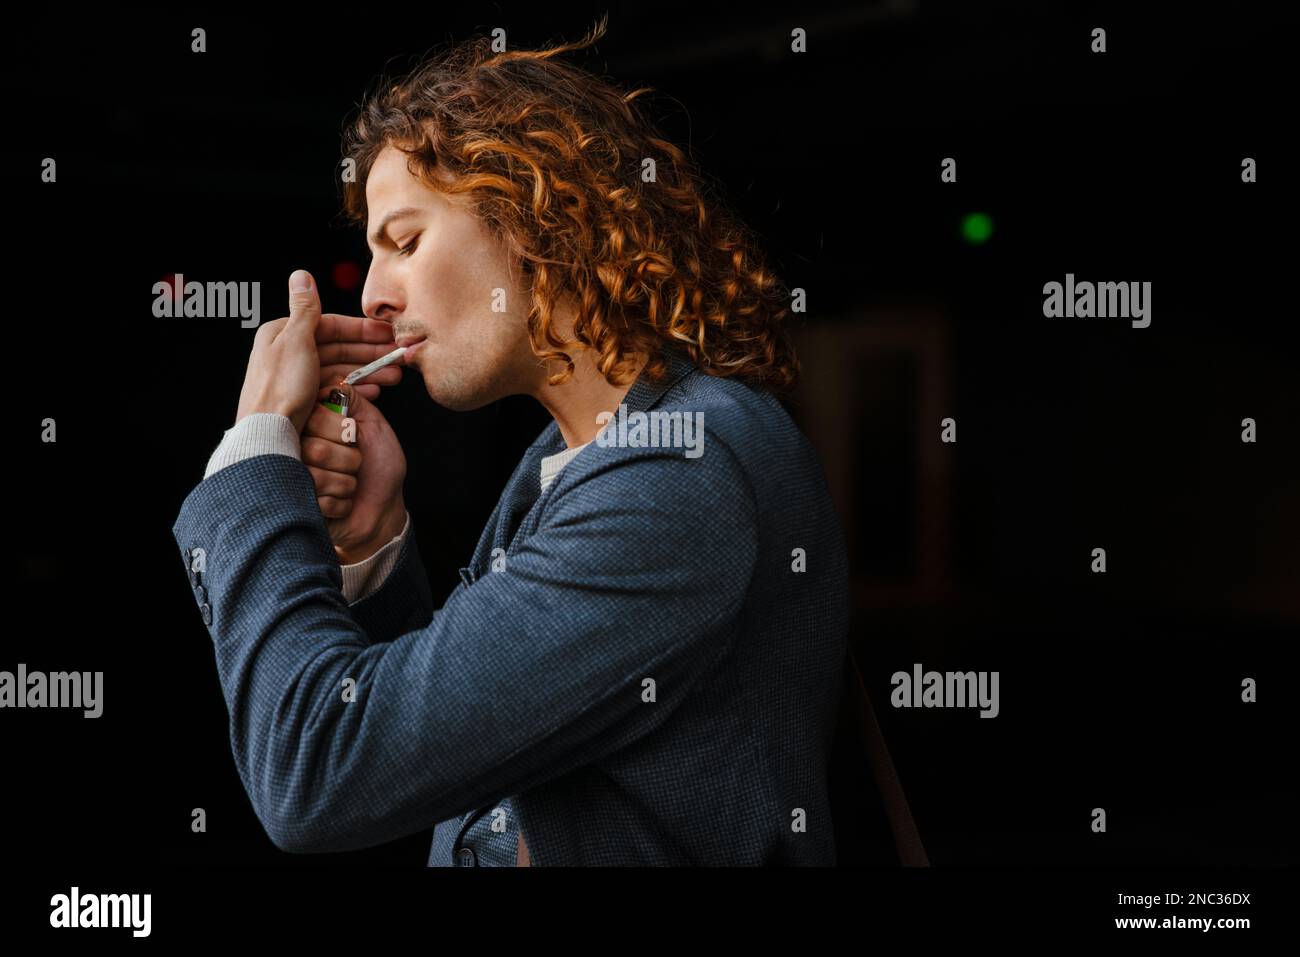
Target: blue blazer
<point x="640" y="666"/>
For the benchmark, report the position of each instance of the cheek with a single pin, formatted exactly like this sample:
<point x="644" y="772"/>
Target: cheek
<point x="476" y="286"/>
<point x="453" y="270"/>
<point x="438" y="286"/>
<point x="466" y="265"/>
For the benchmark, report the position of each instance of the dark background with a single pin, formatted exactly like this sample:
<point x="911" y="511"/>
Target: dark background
<point x="1120" y="691"/>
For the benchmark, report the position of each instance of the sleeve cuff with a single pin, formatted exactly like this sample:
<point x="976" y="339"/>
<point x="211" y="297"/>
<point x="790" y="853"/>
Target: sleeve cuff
<point x="262" y="433"/>
<point x="365" y="577"/>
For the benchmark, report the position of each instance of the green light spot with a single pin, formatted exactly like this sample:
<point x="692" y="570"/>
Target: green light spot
<point x="976" y="228"/>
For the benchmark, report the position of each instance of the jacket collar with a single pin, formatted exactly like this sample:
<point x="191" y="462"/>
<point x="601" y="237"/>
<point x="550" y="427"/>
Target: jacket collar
<point x="641" y="397"/>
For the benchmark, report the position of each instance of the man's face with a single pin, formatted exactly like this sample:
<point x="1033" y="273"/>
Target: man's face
<point x="435" y="275"/>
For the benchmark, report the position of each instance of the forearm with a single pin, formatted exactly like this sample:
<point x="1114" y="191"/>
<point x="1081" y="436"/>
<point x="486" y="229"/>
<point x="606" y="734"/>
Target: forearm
<point x="362" y="576"/>
<point x="365" y="567"/>
<point x="292" y="661"/>
<point x="342" y="743"/>
<point x="264" y="433"/>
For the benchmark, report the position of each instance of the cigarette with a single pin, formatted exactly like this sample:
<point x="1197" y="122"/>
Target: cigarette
<point x="375" y="366"/>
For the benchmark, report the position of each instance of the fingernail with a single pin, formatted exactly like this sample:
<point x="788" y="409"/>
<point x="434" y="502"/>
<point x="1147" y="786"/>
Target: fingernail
<point x="300" y="281"/>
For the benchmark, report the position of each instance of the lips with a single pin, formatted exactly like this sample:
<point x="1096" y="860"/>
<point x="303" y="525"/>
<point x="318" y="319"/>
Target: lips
<point x="412" y="344"/>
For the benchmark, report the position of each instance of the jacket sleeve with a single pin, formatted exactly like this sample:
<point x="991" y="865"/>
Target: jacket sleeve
<point x="590" y="636"/>
<point x="366" y="576"/>
<point x="404" y="602"/>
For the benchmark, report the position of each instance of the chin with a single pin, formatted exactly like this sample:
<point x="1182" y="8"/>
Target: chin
<point x="454" y="395"/>
<point x="456" y="403"/>
<point x="461" y="380"/>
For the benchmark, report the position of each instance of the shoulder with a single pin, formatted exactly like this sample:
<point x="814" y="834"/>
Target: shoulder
<point x="681" y="460"/>
<point x="702" y="423"/>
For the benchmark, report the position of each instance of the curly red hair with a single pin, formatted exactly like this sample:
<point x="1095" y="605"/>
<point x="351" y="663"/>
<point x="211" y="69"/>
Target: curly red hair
<point x="551" y="159"/>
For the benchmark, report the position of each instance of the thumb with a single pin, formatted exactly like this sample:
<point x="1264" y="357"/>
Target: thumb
<point x="304" y="303"/>
<point x="370" y="421"/>
<point x="360" y="408"/>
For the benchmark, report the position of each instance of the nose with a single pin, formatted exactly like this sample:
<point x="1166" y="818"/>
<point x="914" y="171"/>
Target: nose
<point x="381" y="298"/>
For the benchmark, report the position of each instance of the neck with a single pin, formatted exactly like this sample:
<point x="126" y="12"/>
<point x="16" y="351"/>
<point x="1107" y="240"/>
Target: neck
<point x="577" y="402"/>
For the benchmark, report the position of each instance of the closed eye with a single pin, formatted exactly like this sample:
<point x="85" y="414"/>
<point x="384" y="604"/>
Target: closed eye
<point x="409" y="247"/>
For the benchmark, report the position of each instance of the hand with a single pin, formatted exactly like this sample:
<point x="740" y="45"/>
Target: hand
<point x="283" y="373"/>
<point x="358" y="487"/>
<point x="345" y="343"/>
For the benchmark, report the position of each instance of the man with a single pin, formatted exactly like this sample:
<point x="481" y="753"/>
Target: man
<point x="642" y="660"/>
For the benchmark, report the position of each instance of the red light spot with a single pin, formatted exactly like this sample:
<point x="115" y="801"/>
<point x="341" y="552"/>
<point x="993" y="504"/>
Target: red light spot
<point x="177" y="292"/>
<point x="346" y="275"/>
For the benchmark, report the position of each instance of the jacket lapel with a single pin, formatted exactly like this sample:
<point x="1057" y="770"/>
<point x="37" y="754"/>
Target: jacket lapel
<point x="524" y="487"/>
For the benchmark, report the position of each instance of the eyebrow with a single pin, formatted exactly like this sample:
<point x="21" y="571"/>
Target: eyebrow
<point x="378" y="234"/>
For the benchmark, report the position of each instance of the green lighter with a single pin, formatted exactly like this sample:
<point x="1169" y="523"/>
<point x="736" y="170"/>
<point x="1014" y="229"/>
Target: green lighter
<point x="338" y="400"/>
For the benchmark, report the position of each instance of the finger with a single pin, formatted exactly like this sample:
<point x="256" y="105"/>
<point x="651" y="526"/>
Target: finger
<point x="268" y="331"/>
<point x="336" y="328"/>
<point x="324" y="423"/>
<point x="330" y="453"/>
<point x="329" y="484"/>
<point x="389" y="375"/>
<point x="304" y="304"/>
<point x="361" y="409"/>
<point x="328" y="425"/>
<point x="368" y="389"/>
<point x="354" y="353"/>
<point x="332" y="507"/>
